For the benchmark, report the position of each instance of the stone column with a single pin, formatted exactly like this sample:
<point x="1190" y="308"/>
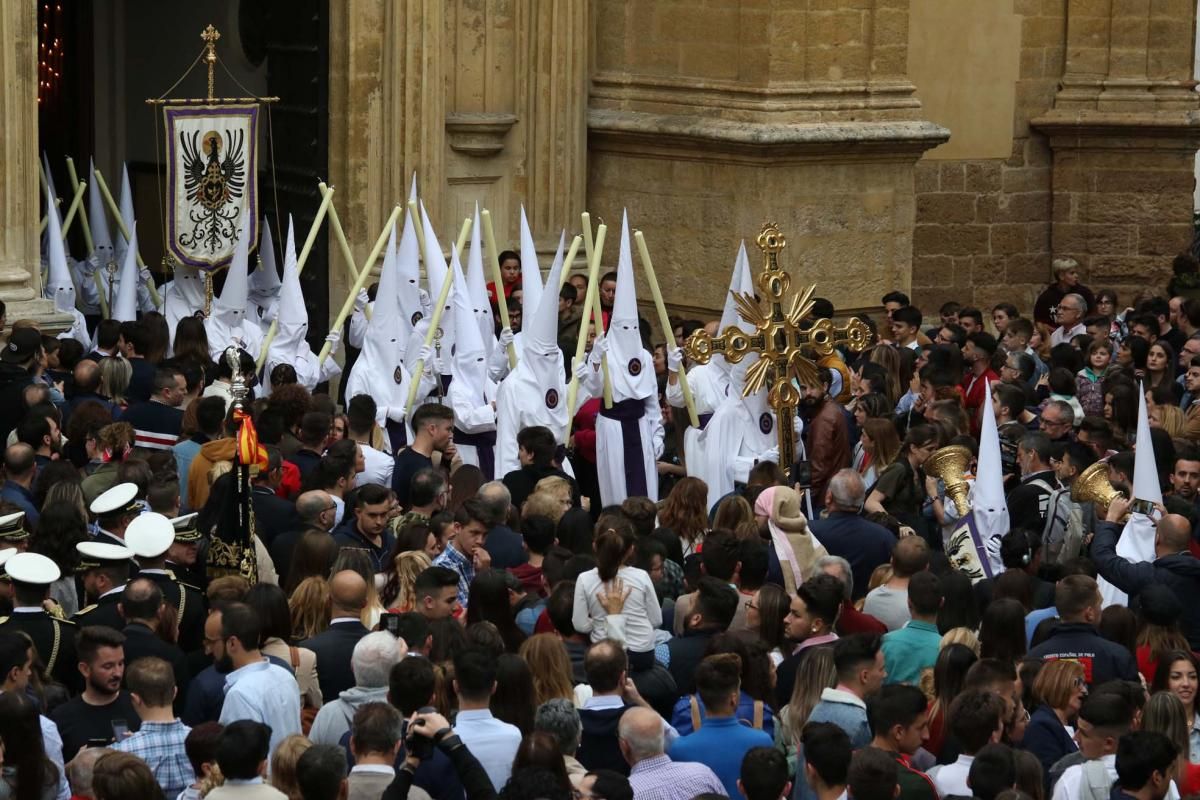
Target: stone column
<point x="706" y="122"/>
<point x="1124" y="131"/>
<point x="20" y="203"/>
<point x="386" y="116"/>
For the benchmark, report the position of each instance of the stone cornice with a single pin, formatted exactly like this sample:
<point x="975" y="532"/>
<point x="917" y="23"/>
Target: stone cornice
<point x="1091" y="129"/>
<point x="697" y="138"/>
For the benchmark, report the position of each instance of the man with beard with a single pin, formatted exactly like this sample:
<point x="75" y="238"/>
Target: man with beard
<point x="95" y="717"/>
<point x="828" y="435"/>
<point x="41" y="430"/>
<point x="809" y="623"/>
<point x="206" y="692"/>
<point x="105" y="571"/>
<point x="255" y="689"/>
<point x="1185" y="479"/>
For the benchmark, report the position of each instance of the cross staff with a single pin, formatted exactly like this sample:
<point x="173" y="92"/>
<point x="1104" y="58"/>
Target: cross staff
<point x="782" y="338"/>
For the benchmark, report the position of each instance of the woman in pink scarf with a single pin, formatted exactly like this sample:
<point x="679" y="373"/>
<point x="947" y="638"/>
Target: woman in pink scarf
<point x="794" y="546"/>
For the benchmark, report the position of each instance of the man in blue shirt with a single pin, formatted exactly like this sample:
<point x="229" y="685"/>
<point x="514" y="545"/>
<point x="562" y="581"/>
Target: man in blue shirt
<point x="721" y="741"/>
<point x="915" y="646"/>
<point x="255" y="689"/>
<point x="465" y="552"/>
<point x="20" y="469"/>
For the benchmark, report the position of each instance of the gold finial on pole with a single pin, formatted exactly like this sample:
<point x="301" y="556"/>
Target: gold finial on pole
<point x="210" y="37"/>
<point x="208" y="293"/>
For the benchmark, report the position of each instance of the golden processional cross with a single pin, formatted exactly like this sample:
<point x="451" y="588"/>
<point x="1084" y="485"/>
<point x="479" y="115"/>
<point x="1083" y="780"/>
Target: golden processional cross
<point x="787" y="342"/>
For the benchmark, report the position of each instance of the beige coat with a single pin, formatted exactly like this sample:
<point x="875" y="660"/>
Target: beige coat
<point x="306" y="673"/>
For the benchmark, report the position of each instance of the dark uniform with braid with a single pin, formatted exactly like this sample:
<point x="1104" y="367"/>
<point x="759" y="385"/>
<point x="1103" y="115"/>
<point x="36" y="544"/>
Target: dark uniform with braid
<point x="53" y="638"/>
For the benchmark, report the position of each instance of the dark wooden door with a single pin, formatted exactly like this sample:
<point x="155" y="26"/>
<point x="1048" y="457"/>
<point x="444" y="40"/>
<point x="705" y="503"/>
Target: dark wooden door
<point x="293" y="38"/>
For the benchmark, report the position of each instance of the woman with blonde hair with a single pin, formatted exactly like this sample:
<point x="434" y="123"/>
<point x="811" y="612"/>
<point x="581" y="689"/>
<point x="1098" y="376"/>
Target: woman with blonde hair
<point x="115" y="375"/>
<point x="309" y="605"/>
<point x="733" y="512"/>
<point x="397" y="593"/>
<point x="1165" y="714"/>
<point x="815" y="674"/>
<point x="877" y="448"/>
<point x="551" y="667"/>
<point x="1169" y="418"/>
<point x="283" y="765"/>
<point x="549" y="504"/>
<point x="1059" y="688"/>
<point x="888" y="357"/>
<point x="685" y="513"/>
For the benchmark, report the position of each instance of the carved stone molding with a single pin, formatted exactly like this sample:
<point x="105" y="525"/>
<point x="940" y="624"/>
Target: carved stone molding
<point x="478" y="134"/>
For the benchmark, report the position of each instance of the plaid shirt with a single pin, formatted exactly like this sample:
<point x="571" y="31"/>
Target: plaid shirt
<point x="160" y="745"/>
<point x="465" y="567"/>
<point x="660" y="778"/>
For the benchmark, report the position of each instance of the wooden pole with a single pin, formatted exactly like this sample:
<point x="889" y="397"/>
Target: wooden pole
<point x="83" y="217"/>
<point x="668" y="332"/>
<point x="313" y="230"/>
<point x="588" y="302"/>
<point x="116" y="212"/>
<point x="72" y="209"/>
<point x="435" y="320"/>
<point x="597" y="312"/>
<point x="489" y="235"/>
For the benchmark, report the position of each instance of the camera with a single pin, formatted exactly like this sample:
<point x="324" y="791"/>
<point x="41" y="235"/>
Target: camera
<point x="419" y="746"/>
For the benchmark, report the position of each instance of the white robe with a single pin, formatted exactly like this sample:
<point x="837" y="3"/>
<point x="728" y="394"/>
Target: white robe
<point x="248" y="336"/>
<point x="731" y="444"/>
<point x="710" y="386"/>
<point x="516" y="409"/>
<point x="308" y="372"/>
<point x="470" y="417"/>
<point x="610" y="450"/>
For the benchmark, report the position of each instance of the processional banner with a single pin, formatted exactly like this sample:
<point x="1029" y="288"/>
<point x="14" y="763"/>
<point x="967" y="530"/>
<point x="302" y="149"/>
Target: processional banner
<point x="212" y="180"/>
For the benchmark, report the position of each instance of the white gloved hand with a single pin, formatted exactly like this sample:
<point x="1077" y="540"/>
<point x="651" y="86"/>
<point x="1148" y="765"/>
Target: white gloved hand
<point x="797" y="426"/>
<point x="674" y="359"/>
<point x="583" y="371"/>
<point x="429" y="360"/>
<point x="507" y="337"/>
<point x="771" y="455"/>
<point x="361" y="300"/>
<point x="335" y="340"/>
<point x="600" y="345"/>
<point x="144" y="274"/>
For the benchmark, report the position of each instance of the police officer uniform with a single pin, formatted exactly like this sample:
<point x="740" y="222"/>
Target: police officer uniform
<point x="13" y="532"/>
<point x="150" y="536"/>
<point x="93" y="555"/>
<point x="53" y="638"/>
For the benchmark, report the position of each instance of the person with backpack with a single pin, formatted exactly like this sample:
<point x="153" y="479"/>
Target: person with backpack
<point x="1103" y="719"/>
<point x="1068" y="523"/>
<point x="1027" y="503"/>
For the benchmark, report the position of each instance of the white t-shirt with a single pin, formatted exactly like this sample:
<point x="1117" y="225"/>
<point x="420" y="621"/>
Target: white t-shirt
<point x="642" y="612"/>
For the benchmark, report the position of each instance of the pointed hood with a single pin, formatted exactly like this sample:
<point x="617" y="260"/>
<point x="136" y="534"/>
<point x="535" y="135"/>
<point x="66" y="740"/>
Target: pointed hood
<point x="230" y="307"/>
<point x="1145" y="472"/>
<point x="59" y="287"/>
<point x="124" y="307"/>
<point x="630" y="367"/>
<point x="481" y="307"/>
<point x="469" y="364"/>
<point x="756" y="404"/>
<point x="729" y="314"/>
<point x="53" y="190"/>
<point x="264" y="281"/>
<point x="987" y="495"/>
<point x="405" y="282"/>
<point x="125" y="205"/>
<point x="531" y="274"/>
<point x="292" y="314"/>
<point x="98" y="220"/>
<point x="436" y="272"/>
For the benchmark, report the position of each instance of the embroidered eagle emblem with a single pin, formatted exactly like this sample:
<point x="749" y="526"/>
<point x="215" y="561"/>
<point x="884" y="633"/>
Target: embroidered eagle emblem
<point x="214" y="169"/>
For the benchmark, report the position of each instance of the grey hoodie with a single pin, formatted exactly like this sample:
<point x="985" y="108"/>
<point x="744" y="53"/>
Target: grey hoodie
<point x="333" y="720"/>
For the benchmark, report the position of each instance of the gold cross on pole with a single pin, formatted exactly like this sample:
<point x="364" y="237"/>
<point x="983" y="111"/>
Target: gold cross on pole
<point x="210" y="36"/>
<point x="783" y="338"/>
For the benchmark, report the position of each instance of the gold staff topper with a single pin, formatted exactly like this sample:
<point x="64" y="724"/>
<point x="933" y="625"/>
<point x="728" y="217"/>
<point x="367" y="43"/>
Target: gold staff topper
<point x="787" y="342"/>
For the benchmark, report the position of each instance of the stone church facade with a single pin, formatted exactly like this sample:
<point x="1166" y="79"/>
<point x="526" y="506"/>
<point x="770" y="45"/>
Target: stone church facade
<point x="949" y="147"/>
